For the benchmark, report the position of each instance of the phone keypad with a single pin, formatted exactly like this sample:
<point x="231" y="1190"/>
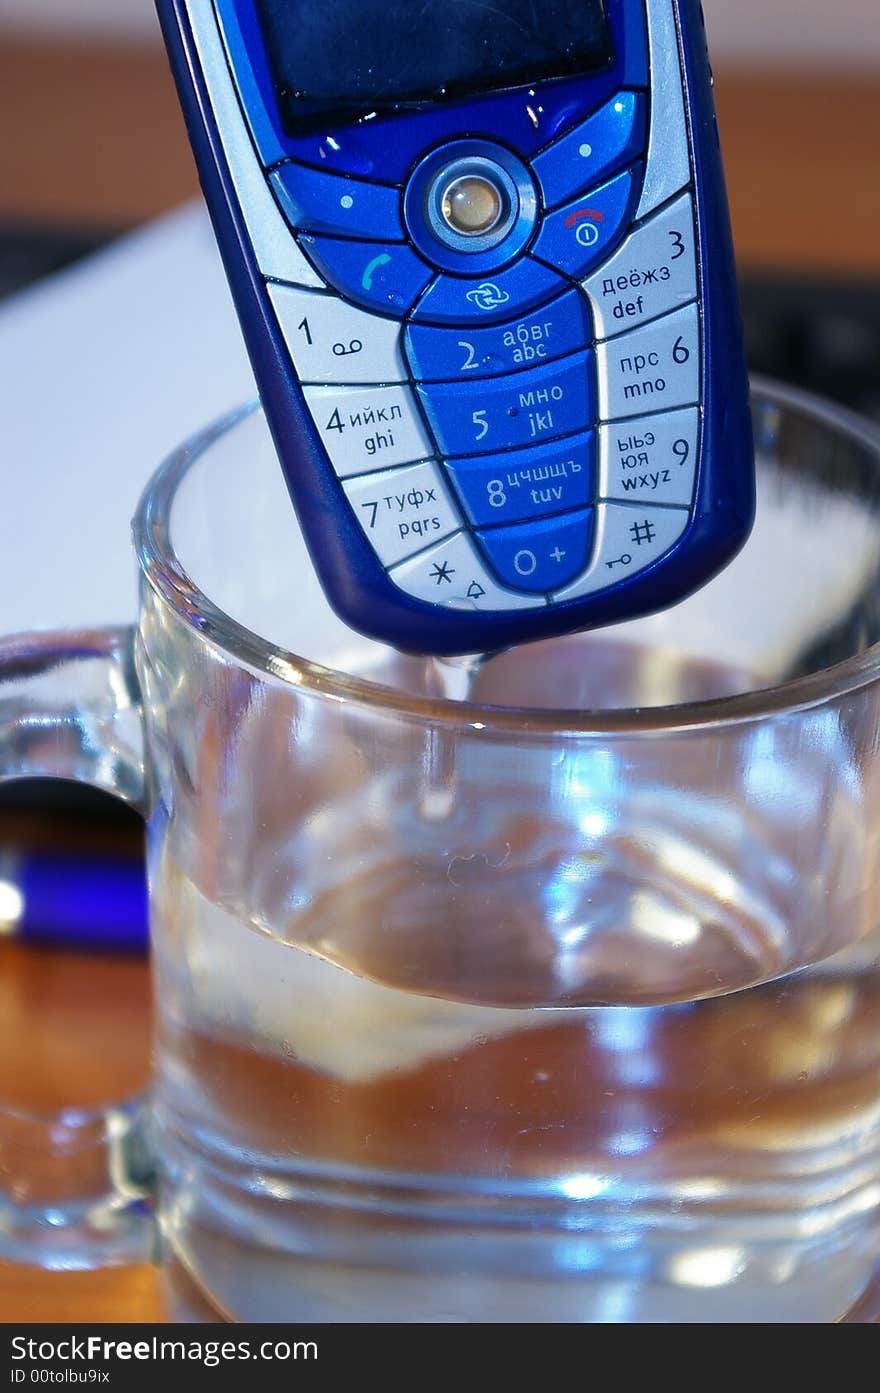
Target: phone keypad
<point x="531" y="435"/>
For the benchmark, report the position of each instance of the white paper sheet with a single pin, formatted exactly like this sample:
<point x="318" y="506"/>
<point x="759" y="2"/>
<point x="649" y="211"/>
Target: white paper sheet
<point x="103" y="370"/>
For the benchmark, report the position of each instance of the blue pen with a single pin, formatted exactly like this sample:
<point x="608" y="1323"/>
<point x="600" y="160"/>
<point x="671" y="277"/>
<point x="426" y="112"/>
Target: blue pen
<point x="482" y="259"/>
<point x="93" y="902"/>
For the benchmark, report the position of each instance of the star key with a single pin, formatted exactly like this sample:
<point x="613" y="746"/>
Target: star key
<point x="450" y="575"/>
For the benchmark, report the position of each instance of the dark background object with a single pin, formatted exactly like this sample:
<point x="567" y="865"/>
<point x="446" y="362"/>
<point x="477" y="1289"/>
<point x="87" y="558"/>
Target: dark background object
<point x="820" y="335"/>
<point x="27" y="254"/>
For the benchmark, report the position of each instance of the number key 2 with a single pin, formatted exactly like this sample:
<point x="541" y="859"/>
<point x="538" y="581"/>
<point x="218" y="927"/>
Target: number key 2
<point x="469" y="352"/>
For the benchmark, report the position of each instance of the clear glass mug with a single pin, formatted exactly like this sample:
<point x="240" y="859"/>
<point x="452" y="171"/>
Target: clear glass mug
<point x="542" y="988"/>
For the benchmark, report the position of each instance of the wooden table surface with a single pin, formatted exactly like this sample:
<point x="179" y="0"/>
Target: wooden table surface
<point x="99" y="143"/>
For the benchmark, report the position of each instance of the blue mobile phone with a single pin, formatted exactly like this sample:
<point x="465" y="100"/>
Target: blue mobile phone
<point x="482" y="259"/>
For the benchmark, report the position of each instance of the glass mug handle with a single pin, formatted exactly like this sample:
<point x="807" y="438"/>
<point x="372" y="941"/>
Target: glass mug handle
<point x="75" y="1186"/>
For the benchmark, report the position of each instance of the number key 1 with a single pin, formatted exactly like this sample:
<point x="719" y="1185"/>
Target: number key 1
<point x="333" y="342"/>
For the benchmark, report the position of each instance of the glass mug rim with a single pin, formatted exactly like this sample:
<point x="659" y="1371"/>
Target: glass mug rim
<point x="167" y="576"/>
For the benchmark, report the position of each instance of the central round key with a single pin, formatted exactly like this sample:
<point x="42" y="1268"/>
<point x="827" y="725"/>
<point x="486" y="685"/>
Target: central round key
<point x="472" y="205"/>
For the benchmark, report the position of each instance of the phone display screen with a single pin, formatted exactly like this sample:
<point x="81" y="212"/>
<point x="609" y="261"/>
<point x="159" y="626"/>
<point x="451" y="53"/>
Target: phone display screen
<point x="336" y="61"/>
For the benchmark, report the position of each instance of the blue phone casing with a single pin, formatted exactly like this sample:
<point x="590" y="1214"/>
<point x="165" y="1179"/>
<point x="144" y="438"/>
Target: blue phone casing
<point x="356" y="582"/>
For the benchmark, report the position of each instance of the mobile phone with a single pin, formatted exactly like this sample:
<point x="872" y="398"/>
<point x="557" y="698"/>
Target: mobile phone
<point x="481" y="255"/>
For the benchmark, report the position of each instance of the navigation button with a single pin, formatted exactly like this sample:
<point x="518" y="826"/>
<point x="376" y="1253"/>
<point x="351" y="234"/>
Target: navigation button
<point x="580" y="235"/>
<point x="629" y="540"/>
<point x="651" y="369"/>
<point x="387" y="277"/>
<point x="402" y="511"/>
<point x="543" y="555"/>
<point x="368" y="428"/>
<point x="489" y="299"/>
<point x="453" y="575"/>
<point x="509" y="412"/>
<point x="313" y="201"/>
<point x="527" y="484"/>
<point x="653" y="459"/>
<point x="331" y="341"/>
<point x="469" y="352"/>
<point x="654" y="272"/>
<point x="615" y="135"/>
